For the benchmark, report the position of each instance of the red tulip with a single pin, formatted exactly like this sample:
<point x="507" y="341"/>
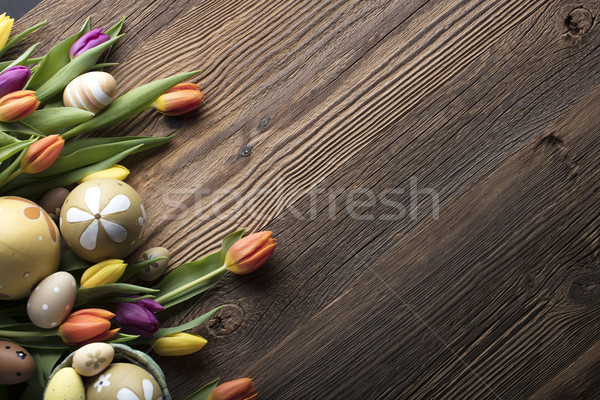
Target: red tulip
<point x="17" y="105"/>
<point x="41" y="154"/>
<point x="87" y="326"/>
<point x="249" y="253"/>
<point x="182" y="98"/>
<point x="240" y="389"/>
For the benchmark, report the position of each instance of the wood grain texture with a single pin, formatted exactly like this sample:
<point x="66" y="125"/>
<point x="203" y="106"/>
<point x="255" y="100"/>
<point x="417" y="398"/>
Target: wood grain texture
<point x="489" y="107"/>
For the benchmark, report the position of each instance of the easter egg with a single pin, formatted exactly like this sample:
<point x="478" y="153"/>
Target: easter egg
<point x="125" y="382"/>
<point x="16" y="364"/>
<point x="65" y="384"/>
<point x="52" y="300"/>
<point x="53" y="200"/>
<point x="91" y="91"/>
<point x="29" y="247"/>
<point x="101" y="219"/>
<point x="93" y="358"/>
<point x="156" y="269"/>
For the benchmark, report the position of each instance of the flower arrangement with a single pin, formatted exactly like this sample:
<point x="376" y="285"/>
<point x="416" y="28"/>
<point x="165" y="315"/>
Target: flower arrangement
<point x="78" y="298"/>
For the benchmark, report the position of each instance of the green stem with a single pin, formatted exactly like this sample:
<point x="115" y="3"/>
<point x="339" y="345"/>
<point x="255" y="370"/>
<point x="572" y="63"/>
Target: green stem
<point x="17" y="334"/>
<point x="182" y="289"/>
<point x="12" y="176"/>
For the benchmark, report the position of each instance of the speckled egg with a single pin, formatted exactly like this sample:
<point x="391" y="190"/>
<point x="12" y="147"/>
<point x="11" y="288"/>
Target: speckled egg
<point x="156" y="269"/>
<point x="65" y="384"/>
<point x="52" y="300"/>
<point x="91" y="91"/>
<point x="124" y="382"/>
<point x="16" y="364"/>
<point x="29" y="247"/>
<point x="93" y="358"/>
<point x="101" y="219"/>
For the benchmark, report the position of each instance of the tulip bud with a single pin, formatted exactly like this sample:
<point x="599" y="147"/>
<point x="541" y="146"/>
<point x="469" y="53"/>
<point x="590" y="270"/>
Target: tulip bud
<point x="17" y="105"/>
<point x="13" y="79"/>
<point x="182" y="98"/>
<point x="178" y="344"/>
<point x="249" y="253"/>
<point x="138" y="318"/>
<point x="116" y="172"/>
<point x="88" y="41"/>
<point x="6" y="24"/>
<point x="239" y="389"/>
<point x="108" y="271"/>
<point x="87" y="326"/>
<point x="41" y="154"/>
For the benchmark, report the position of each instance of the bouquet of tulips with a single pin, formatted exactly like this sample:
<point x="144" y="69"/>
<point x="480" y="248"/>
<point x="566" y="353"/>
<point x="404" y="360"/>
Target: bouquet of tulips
<point x="45" y="103"/>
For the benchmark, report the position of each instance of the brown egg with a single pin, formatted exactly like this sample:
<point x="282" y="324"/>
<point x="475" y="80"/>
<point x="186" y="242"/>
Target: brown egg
<point x="91" y="91"/>
<point x="53" y="200"/>
<point x="16" y="364"/>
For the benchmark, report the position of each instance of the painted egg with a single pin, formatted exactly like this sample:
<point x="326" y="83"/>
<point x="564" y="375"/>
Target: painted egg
<point x="52" y="300"/>
<point x="124" y="382"/>
<point x="101" y="219"/>
<point x="91" y="91"/>
<point x="29" y="247"/>
<point x="93" y="358"/>
<point x="65" y="384"/>
<point x="53" y="200"/>
<point x="156" y="269"/>
<point x="16" y="364"/>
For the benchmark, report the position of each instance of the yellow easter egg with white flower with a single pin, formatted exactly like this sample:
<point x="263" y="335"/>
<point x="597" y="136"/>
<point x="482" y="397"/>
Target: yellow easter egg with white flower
<point x="29" y="247"/>
<point x="102" y="219"/>
<point x="123" y="381"/>
<point x="92" y="91"/>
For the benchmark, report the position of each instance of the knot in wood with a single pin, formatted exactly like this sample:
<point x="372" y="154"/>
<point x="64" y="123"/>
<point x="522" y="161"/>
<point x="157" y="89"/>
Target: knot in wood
<point x="226" y="320"/>
<point x="246" y="150"/>
<point x="579" y="22"/>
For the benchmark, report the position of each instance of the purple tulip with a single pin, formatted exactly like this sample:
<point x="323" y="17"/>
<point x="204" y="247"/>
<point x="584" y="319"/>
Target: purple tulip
<point x="88" y="41"/>
<point x="138" y="318"/>
<point x="13" y="79"/>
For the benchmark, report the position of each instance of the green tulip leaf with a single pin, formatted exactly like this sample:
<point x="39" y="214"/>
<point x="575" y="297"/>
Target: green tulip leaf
<point x="123" y="337"/>
<point x="19" y="127"/>
<point x="70" y="262"/>
<point x="13" y="148"/>
<point x="24" y="57"/>
<point x="28" y="61"/>
<point x="20" y="36"/>
<point x="88" y="295"/>
<point x="5" y="139"/>
<point x="187" y="326"/>
<point x="133" y="269"/>
<point x="115" y="30"/>
<point x="204" y="392"/>
<point x="12" y="167"/>
<point x="49" y="121"/>
<point x="45" y="360"/>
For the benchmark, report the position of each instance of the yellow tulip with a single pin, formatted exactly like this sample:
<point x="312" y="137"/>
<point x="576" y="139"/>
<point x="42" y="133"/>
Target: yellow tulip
<point x="117" y="171"/>
<point x="104" y="272"/>
<point x="178" y="344"/>
<point x="6" y="24"/>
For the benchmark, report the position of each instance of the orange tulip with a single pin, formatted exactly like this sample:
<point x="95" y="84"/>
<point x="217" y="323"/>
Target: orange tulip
<point x="17" y="105"/>
<point x="240" y="389"/>
<point x="249" y="253"/>
<point x="41" y="154"/>
<point x="87" y="326"/>
<point x="182" y="98"/>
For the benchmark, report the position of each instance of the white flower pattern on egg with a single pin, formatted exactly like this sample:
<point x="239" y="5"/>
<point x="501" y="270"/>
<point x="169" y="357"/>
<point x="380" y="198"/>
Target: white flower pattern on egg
<point x="127" y="394"/>
<point x="103" y="381"/>
<point x="115" y="232"/>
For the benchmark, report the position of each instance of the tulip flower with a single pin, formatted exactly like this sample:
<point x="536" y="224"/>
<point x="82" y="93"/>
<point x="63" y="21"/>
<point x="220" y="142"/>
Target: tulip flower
<point x="178" y="344"/>
<point x="182" y="98"/>
<point x="239" y="389"/>
<point x="116" y="172"/>
<point x="6" y="24"/>
<point x="87" y="326"/>
<point x="41" y="154"/>
<point x="17" y="105"/>
<point x="13" y="79"/>
<point x="138" y="318"/>
<point x="88" y="41"/>
<point x="249" y="253"/>
<point x="108" y="271"/>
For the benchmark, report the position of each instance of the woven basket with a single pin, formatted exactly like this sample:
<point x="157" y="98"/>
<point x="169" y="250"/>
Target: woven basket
<point x="127" y="354"/>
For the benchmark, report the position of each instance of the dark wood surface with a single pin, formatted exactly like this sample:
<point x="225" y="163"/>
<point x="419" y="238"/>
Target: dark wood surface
<point x="489" y="108"/>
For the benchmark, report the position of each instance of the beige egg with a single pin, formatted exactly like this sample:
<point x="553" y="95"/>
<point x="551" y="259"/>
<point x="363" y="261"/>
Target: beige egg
<point x="93" y="358"/>
<point x="125" y="382"/>
<point x="29" y="247"/>
<point x="101" y="219"/>
<point x="52" y="300"/>
<point x="157" y="268"/>
<point x="65" y="384"/>
<point x="91" y="91"/>
<point x="16" y="364"/>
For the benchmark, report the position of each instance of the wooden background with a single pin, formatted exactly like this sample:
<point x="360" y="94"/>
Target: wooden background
<point x="490" y="107"/>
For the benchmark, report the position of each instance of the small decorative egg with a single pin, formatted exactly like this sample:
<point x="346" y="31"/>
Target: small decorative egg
<point x="52" y="300"/>
<point x="91" y="91"/>
<point x="93" y="358"/>
<point x="124" y="382"/>
<point x="65" y="384"/>
<point x="101" y="219"/>
<point x="156" y="269"/>
<point x="53" y="200"/>
<point x="29" y="247"/>
<point x="16" y="364"/>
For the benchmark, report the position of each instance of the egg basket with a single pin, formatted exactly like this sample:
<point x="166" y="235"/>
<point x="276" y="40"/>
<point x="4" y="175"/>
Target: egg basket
<point x="128" y="355"/>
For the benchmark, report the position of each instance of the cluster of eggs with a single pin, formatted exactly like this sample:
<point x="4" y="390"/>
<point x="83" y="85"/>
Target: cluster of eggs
<point x="94" y="376"/>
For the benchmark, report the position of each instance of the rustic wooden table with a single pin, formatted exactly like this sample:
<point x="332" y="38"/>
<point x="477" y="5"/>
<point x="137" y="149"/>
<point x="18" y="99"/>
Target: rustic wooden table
<point x="429" y="168"/>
